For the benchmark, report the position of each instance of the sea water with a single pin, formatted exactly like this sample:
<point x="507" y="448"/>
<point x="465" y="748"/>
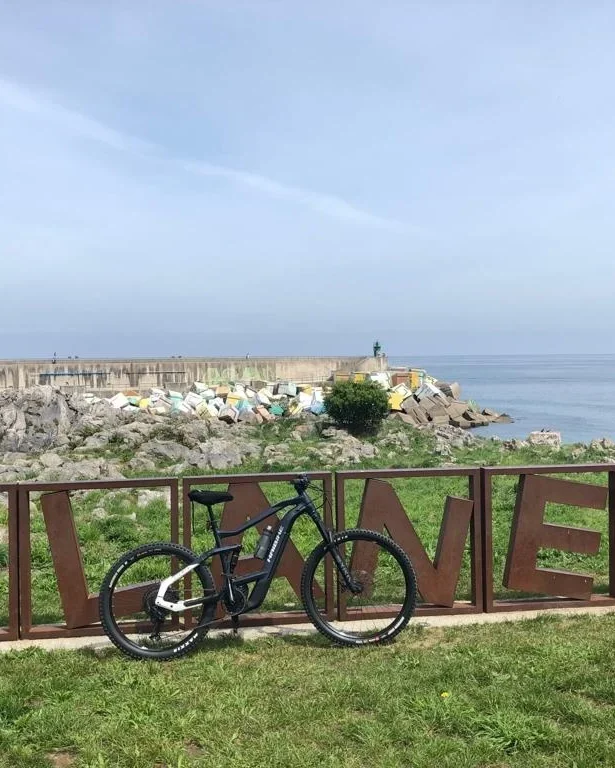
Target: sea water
<point x="573" y="394"/>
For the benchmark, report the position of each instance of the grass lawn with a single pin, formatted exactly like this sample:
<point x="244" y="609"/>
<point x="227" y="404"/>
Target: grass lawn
<point x="533" y="693"/>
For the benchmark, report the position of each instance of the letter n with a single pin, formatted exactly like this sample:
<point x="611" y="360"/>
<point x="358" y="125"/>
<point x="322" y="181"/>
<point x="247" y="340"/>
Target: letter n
<point x="437" y="581"/>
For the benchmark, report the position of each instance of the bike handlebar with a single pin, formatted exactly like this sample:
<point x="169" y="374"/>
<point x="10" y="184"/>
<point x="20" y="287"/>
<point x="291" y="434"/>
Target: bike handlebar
<point x="301" y="483"/>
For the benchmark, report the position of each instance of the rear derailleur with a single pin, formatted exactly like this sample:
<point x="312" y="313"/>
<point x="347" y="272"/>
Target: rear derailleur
<point x="157" y="614"/>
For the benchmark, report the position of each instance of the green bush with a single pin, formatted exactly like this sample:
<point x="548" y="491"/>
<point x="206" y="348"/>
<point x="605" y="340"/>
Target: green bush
<point x="358" y="406"/>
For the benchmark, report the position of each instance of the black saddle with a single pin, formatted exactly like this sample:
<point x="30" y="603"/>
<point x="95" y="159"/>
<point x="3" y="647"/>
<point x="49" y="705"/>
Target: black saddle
<point x="209" y="497"/>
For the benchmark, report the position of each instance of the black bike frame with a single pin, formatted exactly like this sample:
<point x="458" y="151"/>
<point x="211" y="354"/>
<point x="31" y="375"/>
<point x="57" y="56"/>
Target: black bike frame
<point x="301" y="505"/>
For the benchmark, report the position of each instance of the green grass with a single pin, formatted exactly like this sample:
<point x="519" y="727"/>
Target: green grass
<point x="534" y="694"/>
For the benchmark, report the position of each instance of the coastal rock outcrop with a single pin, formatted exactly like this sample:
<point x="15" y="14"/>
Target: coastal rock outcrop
<point x="545" y="437"/>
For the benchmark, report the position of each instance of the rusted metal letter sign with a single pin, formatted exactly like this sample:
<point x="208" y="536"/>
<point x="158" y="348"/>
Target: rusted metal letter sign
<point x="381" y="508"/>
<point x="530" y="533"/>
<point x="81" y="608"/>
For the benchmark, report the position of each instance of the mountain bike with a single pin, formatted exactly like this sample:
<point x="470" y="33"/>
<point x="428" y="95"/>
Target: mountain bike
<point x="170" y="598"/>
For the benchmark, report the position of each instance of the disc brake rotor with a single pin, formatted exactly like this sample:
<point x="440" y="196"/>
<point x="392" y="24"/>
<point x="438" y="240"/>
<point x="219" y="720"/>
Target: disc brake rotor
<point x="363" y="579"/>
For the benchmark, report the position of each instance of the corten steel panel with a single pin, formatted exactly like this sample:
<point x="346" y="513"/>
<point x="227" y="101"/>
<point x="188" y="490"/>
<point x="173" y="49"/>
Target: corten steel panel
<point x="79" y="606"/>
<point x="381" y="509"/>
<point x="611" y="503"/>
<point x="529" y="533"/>
<point x="11" y="632"/>
<point x="249" y="500"/>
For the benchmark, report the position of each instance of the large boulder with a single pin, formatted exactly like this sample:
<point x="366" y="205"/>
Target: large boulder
<point x="605" y="444"/>
<point x="12" y="474"/>
<point x="31" y="419"/>
<point x="39" y="418"/>
<point x="545" y="437"/>
<point x="453" y="436"/>
<point x="99" y="417"/>
<point x="51" y="460"/>
<point x="194" y="432"/>
<point x="141" y="463"/>
<point x="178" y="428"/>
<point x="397" y="439"/>
<point x="132" y="434"/>
<point x="97" y="441"/>
<point x="276" y="453"/>
<point x="514" y="444"/>
<point x="90" y="469"/>
<point x="164" y="450"/>
<point x="222" y="454"/>
<point x="343" y="448"/>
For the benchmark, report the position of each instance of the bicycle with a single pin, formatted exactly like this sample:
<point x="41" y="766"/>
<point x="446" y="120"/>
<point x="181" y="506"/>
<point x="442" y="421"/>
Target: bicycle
<point x="156" y="592"/>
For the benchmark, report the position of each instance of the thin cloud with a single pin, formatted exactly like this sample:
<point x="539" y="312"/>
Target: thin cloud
<point x="329" y="205"/>
<point x="18" y="98"/>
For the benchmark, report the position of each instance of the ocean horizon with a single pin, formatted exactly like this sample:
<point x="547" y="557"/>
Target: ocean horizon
<point x="572" y="394"/>
<point x="569" y="393"/>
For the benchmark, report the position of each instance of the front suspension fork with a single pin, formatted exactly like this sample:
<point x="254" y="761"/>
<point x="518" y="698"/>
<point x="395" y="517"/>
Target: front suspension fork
<point x="351" y="584"/>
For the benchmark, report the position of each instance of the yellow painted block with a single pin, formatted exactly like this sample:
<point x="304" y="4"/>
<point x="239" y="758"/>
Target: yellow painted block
<point x="417" y="378"/>
<point x="145" y="402"/>
<point x="359" y="376"/>
<point x="233" y="398"/>
<point x="202" y="411"/>
<point x="395" y="401"/>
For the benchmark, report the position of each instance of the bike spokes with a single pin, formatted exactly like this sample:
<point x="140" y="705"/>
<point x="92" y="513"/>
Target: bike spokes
<point x="130" y="613"/>
<point x="374" y="583"/>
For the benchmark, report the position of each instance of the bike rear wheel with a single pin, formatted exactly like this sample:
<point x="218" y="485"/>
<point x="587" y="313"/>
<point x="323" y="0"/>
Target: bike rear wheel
<point x="129" y="616"/>
<point x="383" y="572"/>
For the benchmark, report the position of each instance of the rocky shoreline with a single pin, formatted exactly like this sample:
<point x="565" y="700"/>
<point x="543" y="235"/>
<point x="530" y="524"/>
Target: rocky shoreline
<point x="51" y="436"/>
<point x="417" y="400"/>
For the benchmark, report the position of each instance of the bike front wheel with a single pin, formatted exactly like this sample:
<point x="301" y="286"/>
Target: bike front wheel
<point x="129" y="615"/>
<point x="383" y="596"/>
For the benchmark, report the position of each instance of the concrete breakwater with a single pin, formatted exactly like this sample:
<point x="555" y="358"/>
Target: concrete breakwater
<point x="106" y="377"/>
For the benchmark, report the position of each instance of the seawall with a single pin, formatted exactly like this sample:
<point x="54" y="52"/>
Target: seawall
<point x="109" y="376"/>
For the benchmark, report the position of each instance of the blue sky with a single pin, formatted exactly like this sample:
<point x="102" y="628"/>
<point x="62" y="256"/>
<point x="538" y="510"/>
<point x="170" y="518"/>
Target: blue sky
<point x="275" y="178"/>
